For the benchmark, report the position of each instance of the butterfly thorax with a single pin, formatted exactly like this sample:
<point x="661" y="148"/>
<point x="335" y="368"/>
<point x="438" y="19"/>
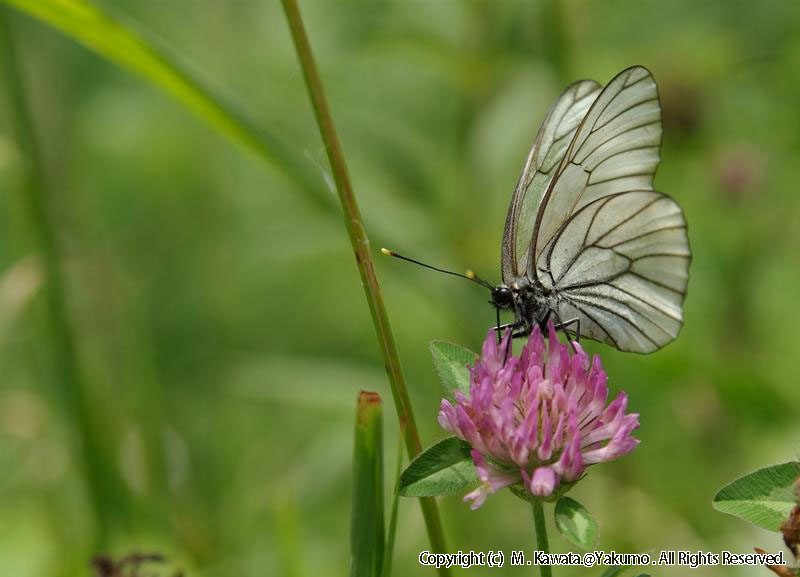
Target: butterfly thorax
<point x="530" y="302"/>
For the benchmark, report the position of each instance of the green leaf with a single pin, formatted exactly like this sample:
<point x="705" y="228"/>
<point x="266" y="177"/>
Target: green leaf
<point x="451" y="362"/>
<point x="619" y="570"/>
<point x="444" y="469"/>
<point x="97" y="30"/>
<point x="366" y="523"/>
<point x="764" y="497"/>
<point x="575" y="523"/>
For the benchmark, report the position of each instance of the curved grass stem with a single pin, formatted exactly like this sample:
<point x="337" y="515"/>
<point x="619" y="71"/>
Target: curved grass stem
<point x="361" y="248"/>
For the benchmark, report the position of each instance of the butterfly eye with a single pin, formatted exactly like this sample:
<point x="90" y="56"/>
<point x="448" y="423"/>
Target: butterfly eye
<point x="502" y="297"/>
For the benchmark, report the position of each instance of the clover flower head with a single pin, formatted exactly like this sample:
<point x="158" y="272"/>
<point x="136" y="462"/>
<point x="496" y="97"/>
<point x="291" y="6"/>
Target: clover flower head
<point x="538" y="420"/>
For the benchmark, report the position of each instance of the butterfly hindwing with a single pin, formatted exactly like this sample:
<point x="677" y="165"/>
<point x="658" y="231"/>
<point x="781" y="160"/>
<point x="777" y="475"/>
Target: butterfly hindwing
<point x="621" y="265"/>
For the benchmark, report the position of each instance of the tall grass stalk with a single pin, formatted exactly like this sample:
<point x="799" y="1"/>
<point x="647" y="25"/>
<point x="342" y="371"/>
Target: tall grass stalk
<point x="103" y="484"/>
<point x="366" y="268"/>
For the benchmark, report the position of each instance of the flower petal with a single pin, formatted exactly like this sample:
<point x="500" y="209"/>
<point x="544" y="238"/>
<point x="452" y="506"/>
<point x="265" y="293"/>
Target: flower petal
<point x="543" y="482"/>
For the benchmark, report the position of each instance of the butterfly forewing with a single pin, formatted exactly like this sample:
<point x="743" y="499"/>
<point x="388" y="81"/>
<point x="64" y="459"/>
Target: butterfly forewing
<point x="554" y="136"/>
<point x="615" y="149"/>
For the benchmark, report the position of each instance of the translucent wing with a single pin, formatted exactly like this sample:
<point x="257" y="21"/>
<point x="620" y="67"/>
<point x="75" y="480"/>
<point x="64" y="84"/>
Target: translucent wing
<point x="552" y="140"/>
<point x="615" y="149"/>
<point x="620" y="265"/>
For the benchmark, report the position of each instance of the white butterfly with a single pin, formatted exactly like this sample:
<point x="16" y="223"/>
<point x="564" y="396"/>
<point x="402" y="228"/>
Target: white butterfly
<point x="588" y="243"/>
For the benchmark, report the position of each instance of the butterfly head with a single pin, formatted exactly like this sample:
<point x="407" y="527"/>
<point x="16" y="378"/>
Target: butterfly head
<point x="502" y="297"/>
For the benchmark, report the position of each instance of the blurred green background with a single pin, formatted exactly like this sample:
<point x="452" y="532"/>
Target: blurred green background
<point x="217" y="315"/>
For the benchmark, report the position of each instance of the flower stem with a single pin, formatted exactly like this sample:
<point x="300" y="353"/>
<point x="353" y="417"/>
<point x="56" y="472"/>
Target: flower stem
<point x="541" y="535"/>
<point x="366" y="268"/>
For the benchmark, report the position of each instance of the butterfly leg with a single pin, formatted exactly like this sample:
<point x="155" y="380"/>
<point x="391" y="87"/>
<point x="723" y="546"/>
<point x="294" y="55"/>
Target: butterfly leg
<point x="517" y="335"/>
<point x="576" y="321"/>
<point x="507" y="326"/>
<point x="500" y="327"/>
<point x="563" y="325"/>
<point x="514" y="335"/>
<point x="509" y="346"/>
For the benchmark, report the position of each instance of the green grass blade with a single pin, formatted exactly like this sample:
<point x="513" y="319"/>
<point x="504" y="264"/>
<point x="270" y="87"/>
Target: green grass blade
<point x="390" y="537"/>
<point x="19" y="284"/>
<point x="104" y="489"/>
<point x="367" y="524"/>
<point x="88" y="25"/>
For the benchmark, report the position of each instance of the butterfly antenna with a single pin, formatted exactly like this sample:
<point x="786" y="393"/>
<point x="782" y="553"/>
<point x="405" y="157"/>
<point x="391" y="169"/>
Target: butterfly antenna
<point x="469" y="276"/>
